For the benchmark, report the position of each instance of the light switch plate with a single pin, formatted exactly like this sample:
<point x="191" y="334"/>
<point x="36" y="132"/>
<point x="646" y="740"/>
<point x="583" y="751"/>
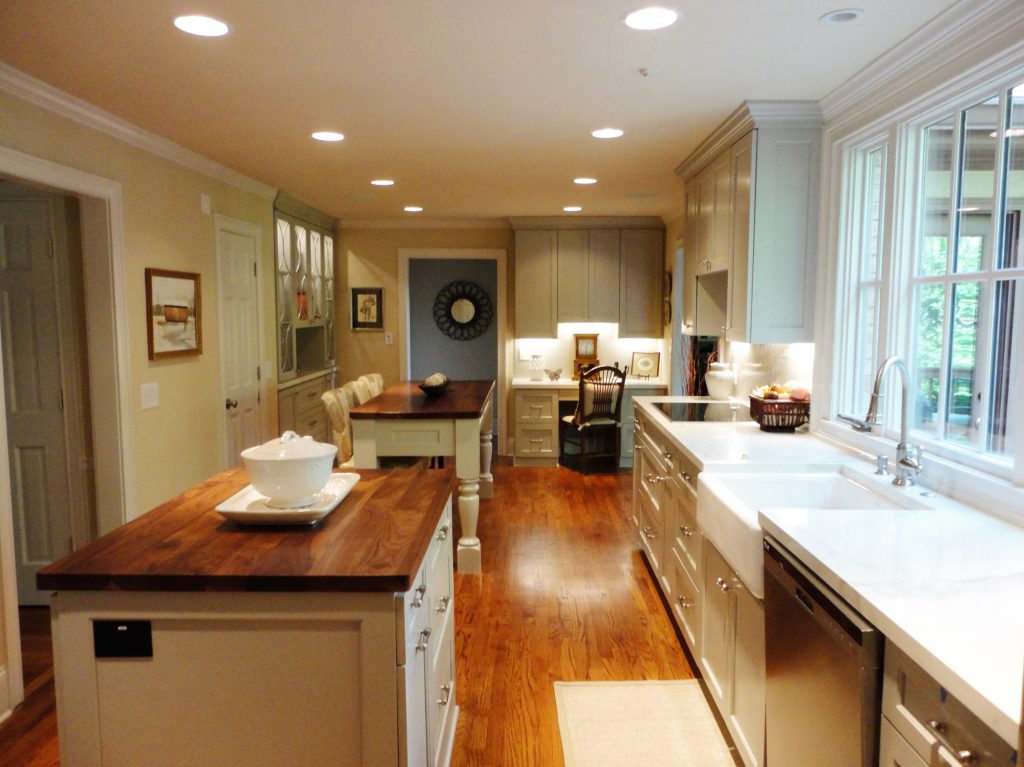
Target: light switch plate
<point x="150" y="395"/>
<point x="389" y="339"/>
<point x="204" y="204"/>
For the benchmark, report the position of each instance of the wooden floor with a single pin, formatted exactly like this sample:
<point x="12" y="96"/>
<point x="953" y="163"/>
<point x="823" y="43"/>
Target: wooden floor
<point x="565" y="595"/>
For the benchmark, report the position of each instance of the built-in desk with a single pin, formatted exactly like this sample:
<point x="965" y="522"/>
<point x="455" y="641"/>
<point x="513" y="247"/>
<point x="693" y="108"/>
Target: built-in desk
<point x="535" y="408"/>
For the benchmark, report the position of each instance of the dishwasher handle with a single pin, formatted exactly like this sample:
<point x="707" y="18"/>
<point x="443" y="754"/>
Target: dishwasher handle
<point x="817" y="599"/>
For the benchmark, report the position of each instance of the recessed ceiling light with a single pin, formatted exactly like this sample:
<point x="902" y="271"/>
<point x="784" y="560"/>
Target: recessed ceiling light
<point x="842" y="16"/>
<point x="203" y="26"/>
<point x="572" y="208"/>
<point x="382" y="182"/>
<point x="654" y="17"/>
<point x="606" y="133"/>
<point x="413" y="209"/>
<point x="328" y="135"/>
<point x="584" y="181"/>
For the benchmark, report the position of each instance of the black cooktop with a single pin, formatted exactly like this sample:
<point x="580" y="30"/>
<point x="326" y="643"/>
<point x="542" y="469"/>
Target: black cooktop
<point x="704" y="411"/>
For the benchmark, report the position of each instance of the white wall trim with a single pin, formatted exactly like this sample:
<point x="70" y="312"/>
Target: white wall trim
<point x="505" y="344"/>
<point x="424" y="223"/>
<point x="17" y="83"/>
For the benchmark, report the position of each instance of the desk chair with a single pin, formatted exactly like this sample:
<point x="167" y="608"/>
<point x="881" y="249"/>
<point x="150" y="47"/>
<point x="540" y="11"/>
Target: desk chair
<point x="594" y="427"/>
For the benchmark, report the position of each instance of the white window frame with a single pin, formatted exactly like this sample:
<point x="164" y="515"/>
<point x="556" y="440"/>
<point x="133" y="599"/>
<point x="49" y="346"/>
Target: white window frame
<point x="967" y="475"/>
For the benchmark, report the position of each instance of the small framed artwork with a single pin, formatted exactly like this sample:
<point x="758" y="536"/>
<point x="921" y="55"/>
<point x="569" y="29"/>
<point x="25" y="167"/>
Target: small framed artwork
<point x="174" y="325"/>
<point x="585" y="345"/>
<point x="646" y="364"/>
<point x="367" y="308"/>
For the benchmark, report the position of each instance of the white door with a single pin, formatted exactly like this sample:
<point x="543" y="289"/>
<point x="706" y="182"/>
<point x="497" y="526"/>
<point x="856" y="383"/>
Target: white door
<point x="33" y="391"/>
<point x="237" y="249"/>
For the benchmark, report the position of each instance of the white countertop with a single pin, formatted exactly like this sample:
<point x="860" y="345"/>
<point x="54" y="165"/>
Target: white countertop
<point x="945" y="584"/>
<point x="568" y="383"/>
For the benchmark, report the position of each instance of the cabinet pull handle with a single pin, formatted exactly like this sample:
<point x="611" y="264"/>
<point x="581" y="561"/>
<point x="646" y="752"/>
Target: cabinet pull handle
<point x="686" y="476"/>
<point x="653" y="479"/>
<point x="687" y="531"/>
<point x="723" y="584"/>
<point x="651" y="535"/>
<point x="667" y="454"/>
<point x="442" y="604"/>
<point x="442" y="534"/>
<point x="417" y="600"/>
<point x="424" y="640"/>
<point x="637" y="446"/>
<point x="685" y="602"/>
<point x="446" y="691"/>
<point x="940" y="730"/>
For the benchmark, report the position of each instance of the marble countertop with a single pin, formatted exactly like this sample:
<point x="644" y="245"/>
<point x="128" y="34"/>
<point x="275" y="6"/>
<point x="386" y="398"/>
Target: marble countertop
<point x="568" y="383"/>
<point x="945" y="584"/>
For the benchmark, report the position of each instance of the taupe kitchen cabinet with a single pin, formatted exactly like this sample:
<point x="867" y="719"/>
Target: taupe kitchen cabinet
<point x="536" y="289"/>
<point x="304" y="281"/>
<point x="536" y="426"/>
<point x="732" y="654"/>
<point x="300" y="409"/>
<point x="751" y="222"/>
<point x="641" y="264"/>
<point x="588" y="275"/>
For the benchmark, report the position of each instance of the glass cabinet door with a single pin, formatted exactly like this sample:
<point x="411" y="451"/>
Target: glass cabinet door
<point x="285" y="283"/>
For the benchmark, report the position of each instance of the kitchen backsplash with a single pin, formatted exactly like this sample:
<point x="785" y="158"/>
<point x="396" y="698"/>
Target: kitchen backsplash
<point x="558" y="352"/>
<point x="757" y="364"/>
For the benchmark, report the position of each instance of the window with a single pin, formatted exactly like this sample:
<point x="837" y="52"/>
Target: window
<point x="951" y="297"/>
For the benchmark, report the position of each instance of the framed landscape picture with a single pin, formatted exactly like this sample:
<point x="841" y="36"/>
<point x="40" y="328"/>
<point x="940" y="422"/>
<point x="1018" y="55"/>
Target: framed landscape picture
<point x="367" y="308"/>
<point x="174" y="325"/>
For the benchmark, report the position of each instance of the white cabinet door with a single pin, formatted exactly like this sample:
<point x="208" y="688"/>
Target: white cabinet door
<point x="741" y="169"/>
<point x="894" y="751"/>
<point x="536" y="283"/>
<point x="748" y="676"/>
<point x="716" y="628"/>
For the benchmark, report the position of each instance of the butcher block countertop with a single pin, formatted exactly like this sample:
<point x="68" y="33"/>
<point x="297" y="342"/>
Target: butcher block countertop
<point x="374" y="540"/>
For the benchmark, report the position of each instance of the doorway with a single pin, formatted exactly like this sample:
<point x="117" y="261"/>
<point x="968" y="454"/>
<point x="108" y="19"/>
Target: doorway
<point x="42" y="322"/>
<point x="425" y="349"/>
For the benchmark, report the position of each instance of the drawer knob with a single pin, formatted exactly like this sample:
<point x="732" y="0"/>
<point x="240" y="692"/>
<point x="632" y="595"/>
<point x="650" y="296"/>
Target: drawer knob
<point x="442" y="534"/>
<point x="723" y="584"/>
<point x="687" y="477"/>
<point x="446" y="691"/>
<point x="442" y="604"/>
<point x="685" y="602"/>
<point x="424" y="640"/>
<point x="649" y="532"/>
<point x="417" y="599"/>
<point x="667" y="454"/>
<point x="686" y="531"/>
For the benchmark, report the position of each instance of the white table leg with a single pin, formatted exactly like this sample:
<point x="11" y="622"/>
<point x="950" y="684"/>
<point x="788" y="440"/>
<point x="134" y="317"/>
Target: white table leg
<point x="486" y="478"/>
<point x="467" y="469"/>
<point x="364" y="443"/>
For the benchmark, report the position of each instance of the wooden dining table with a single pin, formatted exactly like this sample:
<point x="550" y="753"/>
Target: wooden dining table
<point x="403" y="421"/>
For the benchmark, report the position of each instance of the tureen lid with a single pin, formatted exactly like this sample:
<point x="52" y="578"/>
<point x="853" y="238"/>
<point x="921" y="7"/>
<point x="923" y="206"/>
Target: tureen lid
<point x="290" y="445"/>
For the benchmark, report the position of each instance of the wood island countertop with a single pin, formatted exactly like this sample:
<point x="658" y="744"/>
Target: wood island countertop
<point x="463" y="399"/>
<point x="374" y="540"/>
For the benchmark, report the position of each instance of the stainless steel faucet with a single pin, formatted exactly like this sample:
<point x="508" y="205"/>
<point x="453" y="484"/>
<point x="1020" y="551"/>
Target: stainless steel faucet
<point x="908" y="457"/>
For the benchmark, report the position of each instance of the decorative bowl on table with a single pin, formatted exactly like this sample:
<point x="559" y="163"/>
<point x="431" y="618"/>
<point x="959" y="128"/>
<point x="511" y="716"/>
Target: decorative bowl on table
<point x="435" y="385"/>
<point x="289" y="470"/>
<point x="779" y="415"/>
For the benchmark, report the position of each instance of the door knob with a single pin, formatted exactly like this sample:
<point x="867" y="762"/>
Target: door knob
<point x="230" y="403"/>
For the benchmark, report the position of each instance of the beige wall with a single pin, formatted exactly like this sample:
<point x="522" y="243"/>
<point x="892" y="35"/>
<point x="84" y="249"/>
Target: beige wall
<point x="178" y="443"/>
<point x="368" y="258"/>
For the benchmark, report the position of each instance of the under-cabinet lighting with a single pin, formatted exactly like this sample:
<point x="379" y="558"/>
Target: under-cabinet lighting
<point x="412" y="209"/>
<point x="584" y="181"/>
<point x="203" y="26"/>
<point x="328" y="135"/>
<point x="647" y="19"/>
<point x="606" y="133"/>
<point x="572" y="208"/>
<point x="382" y="182"/>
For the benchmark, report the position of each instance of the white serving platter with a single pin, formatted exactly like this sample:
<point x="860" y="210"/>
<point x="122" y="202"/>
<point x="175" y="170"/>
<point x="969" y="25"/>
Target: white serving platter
<point x="250" y="508"/>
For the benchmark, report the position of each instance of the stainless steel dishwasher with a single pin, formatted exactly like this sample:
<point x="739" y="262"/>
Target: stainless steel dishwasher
<point x="823" y="671"/>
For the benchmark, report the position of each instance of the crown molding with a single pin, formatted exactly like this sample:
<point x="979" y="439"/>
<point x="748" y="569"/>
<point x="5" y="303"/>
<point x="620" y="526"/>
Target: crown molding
<point x="747" y="116"/>
<point x="423" y="223"/>
<point x="968" y="28"/>
<point x="27" y="88"/>
<point x="586" y="222"/>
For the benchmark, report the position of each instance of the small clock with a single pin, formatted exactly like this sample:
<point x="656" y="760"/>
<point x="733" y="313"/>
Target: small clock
<point x="586" y="346"/>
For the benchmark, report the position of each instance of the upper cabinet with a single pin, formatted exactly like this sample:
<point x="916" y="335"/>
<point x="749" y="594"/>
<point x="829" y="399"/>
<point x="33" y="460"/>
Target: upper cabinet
<point x="751" y="222"/>
<point x="595" y="271"/>
<point x="304" y="281"/>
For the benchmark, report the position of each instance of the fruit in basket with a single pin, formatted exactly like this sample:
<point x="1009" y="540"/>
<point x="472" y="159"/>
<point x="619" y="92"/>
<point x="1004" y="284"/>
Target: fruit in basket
<point x="800" y="394"/>
<point x="772" y="391"/>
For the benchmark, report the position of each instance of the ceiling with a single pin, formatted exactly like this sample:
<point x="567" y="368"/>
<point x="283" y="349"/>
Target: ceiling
<point x="478" y="109"/>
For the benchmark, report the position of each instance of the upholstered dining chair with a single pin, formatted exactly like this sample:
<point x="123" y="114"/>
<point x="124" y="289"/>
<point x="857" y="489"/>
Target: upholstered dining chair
<point x="374" y="382"/>
<point x="338" y="402"/>
<point x="594" y="427"/>
<point x="359" y="390"/>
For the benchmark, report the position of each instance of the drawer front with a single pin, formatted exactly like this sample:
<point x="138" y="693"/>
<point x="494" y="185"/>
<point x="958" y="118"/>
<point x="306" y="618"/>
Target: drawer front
<point x="439" y="578"/>
<point x="653" y="474"/>
<point x="313" y="424"/>
<point x="536" y="441"/>
<point x="685" y="535"/>
<point x="657" y="444"/>
<point x="307" y="396"/>
<point x="685" y="601"/>
<point x="440" y="692"/>
<point x="651" y="537"/>
<point x="536" y="407"/>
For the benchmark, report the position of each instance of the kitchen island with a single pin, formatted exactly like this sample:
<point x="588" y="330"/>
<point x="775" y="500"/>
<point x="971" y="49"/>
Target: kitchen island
<point x="185" y="638"/>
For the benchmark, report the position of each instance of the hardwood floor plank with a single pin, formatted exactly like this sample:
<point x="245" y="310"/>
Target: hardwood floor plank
<point x="565" y="595"/>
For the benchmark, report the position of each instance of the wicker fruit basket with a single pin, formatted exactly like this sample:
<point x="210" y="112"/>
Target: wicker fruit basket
<point x="779" y="414"/>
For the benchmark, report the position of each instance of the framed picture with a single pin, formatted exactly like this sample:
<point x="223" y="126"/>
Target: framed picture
<point x="174" y="325"/>
<point x="367" y="308"/>
<point x="646" y="364"/>
<point x="585" y="345"/>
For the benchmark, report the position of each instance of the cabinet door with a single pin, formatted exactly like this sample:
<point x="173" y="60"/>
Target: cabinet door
<point x="690" y="261"/>
<point x="573" y="267"/>
<point x="748" y="689"/>
<point x="742" y="168"/>
<point x="894" y="751"/>
<point x="284" y="279"/>
<point x="536" y="287"/>
<point x="603" y="276"/>
<point x="716" y="628"/>
<point x="641" y="263"/>
<point x="721" y="226"/>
